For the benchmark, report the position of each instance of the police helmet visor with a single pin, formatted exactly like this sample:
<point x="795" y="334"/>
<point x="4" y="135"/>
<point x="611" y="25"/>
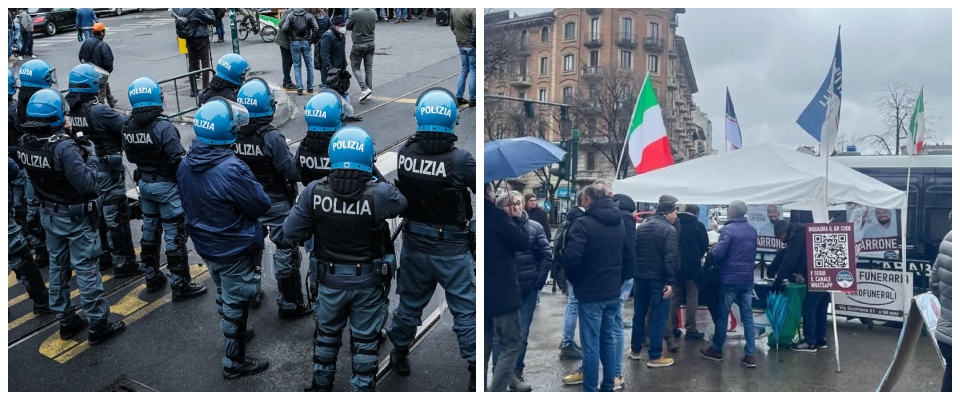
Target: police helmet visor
<point x="52" y="76"/>
<point x="103" y="73"/>
<point x="239" y="116"/>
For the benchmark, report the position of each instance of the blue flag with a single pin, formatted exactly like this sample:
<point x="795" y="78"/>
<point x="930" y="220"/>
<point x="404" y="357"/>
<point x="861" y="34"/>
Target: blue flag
<point x="813" y="117"/>
<point x="732" y="126"/>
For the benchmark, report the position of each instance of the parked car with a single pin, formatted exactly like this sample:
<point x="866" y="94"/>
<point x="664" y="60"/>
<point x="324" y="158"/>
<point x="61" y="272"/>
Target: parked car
<point x="115" y="11"/>
<point x="52" y="21"/>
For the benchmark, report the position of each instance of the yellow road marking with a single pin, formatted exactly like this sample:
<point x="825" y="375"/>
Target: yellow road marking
<point x="11" y="280"/>
<point x="130" y="306"/>
<point x="29" y="316"/>
<point x="22" y="297"/>
<point x="403" y="100"/>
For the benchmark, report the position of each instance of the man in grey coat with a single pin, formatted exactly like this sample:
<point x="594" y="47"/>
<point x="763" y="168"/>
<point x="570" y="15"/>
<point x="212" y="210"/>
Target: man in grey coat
<point x="363" y="22"/>
<point x="941" y="284"/>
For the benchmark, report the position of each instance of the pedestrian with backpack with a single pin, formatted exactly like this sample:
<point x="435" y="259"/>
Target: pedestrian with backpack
<point x="198" y="40"/>
<point x="299" y="27"/>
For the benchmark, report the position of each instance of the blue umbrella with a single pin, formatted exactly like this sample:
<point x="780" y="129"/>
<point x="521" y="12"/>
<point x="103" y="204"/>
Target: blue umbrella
<point x="777" y="310"/>
<point x="511" y="158"/>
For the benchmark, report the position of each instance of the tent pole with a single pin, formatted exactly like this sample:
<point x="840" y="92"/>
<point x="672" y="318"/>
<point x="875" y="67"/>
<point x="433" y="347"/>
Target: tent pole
<point x="908" y="290"/>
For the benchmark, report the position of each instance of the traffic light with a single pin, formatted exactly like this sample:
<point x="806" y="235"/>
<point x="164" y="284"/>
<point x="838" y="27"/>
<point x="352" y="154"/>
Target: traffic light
<point x="564" y="113"/>
<point x="528" y="108"/>
<point x="563" y="168"/>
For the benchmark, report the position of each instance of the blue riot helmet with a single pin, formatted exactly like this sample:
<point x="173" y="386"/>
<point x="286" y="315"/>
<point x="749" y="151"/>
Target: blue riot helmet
<point x="324" y="112"/>
<point x="257" y="97"/>
<point x="145" y="92"/>
<point x="232" y="68"/>
<point x="46" y="108"/>
<point x="85" y="78"/>
<point x="37" y="73"/>
<point x="351" y="148"/>
<point x="11" y="83"/>
<point x="218" y="121"/>
<point x="436" y="111"/>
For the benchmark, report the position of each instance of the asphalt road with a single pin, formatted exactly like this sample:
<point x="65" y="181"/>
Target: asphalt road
<point x="178" y="346"/>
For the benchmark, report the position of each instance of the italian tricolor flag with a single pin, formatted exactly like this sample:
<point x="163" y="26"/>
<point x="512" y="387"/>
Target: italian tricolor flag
<point x="917" y="128"/>
<point x="647" y="136"/>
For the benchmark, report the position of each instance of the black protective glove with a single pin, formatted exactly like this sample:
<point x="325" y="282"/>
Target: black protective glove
<point x="87" y="148"/>
<point x="778" y="286"/>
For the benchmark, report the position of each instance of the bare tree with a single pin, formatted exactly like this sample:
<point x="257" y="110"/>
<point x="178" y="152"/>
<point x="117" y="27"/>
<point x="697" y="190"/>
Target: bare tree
<point x="500" y="47"/>
<point x="895" y="103"/>
<point x="604" y="108"/>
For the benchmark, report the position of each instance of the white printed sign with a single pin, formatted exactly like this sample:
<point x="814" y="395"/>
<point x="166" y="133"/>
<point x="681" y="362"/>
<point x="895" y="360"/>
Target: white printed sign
<point x="880" y="295"/>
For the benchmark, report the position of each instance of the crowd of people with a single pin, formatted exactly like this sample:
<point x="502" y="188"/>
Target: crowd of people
<point x="236" y="184"/>
<point x="603" y="251"/>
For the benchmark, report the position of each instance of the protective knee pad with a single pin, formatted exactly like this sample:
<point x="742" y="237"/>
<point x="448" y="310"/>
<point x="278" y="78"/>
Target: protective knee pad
<point x="326" y="348"/>
<point x="177" y="262"/>
<point x="365" y="355"/>
<point x="180" y="222"/>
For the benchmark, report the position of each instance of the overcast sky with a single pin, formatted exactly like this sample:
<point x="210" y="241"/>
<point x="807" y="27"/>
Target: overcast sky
<point x="774" y="60"/>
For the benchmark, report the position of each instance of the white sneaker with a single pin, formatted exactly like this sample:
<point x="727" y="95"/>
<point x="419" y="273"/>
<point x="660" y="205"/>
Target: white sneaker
<point x="634" y="356"/>
<point x="365" y="94"/>
<point x="20" y="58"/>
<point x="33" y="56"/>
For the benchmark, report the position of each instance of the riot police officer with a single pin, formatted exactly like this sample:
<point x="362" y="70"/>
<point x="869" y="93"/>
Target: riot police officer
<point x="265" y="150"/>
<point x="21" y="259"/>
<point x="346" y="213"/>
<point x="14" y="132"/>
<point x="231" y="72"/>
<point x="35" y="75"/>
<point x="324" y="114"/>
<point x="103" y="126"/>
<point x="152" y="143"/>
<point x="223" y="202"/>
<point x="435" y="176"/>
<point x="68" y="212"/>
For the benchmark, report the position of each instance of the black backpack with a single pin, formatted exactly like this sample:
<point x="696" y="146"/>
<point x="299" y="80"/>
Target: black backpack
<point x="300" y="26"/>
<point x="183" y="27"/>
<point x="560" y="240"/>
<point x="443" y="17"/>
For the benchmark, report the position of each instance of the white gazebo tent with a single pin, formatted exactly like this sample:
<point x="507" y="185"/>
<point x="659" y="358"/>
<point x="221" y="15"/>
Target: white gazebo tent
<point x="768" y="174"/>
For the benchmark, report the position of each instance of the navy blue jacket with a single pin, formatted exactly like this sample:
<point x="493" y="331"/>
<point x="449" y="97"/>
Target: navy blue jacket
<point x="169" y="138"/>
<point x="276" y="149"/>
<point x="657" y="251"/>
<point x="82" y="175"/>
<point x="199" y="19"/>
<point x="593" y="256"/>
<point x="388" y="203"/>
<point x="502" y="239"/>
<point x="98" y="52"/>
<point x="694" y="243"/>
<point x="465" y="174"/>
<point x="333" y="52"/>
<point x="108" y="121"/>
<point x="736" y="252"/>
<point x="534" y="263"/>
<point x="627" y="206"/>
<point x="12" y="171"/>
<point x="85" y="18"/>
<point x="222" y="202"/>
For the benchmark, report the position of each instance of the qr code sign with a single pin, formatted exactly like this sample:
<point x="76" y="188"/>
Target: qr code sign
<point x="831" y="250"/>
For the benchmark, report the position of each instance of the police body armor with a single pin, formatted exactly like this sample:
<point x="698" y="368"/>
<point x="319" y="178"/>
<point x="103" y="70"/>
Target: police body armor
<point x="314" y="163"/>
<point x="50" y="185"/>
<point x="426" y="180"/>
<point x="348" y="237"/>
<point x="249" y="148"/>
<point x="145" y="150"/>
<point x="81" y="120"/>
<point x="13" y="129"/>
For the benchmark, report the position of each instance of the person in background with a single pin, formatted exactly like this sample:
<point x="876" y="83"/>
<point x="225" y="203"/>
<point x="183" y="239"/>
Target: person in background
<point x="362" y="24"/>
<point x="218" y="14"/>
<point x="537" y="214"/>
<point x="198" y="44"/>
<point x="26" y="32"/>
<point x="96" y="51"/>
<point x="462" y="22"/>
<point x="693" y="245"/>
<point x="735" y="253"/>
<point x="286" y="59"/>
<point x="941" y="284"/>
<point x="85" y="20"/>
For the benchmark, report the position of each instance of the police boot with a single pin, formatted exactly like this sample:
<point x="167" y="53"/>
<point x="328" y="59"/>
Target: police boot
<point x="72" y="326"/>
<point x="398" y="360"/>
<point x="177" y="264"/>
<point x="150" y="260"/>
<point x="106" y="331"/>
<point x="32" y="280"/>
<point x="248" y="365"/>
<point x="317" y="388"/>
<point x="123" y="241"/>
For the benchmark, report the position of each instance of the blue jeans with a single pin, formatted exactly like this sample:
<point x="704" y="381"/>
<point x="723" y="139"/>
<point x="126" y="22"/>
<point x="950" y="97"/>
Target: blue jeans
<point x="416" y="281"/>
<point x="332" y="310"/>
<point x="302" y="54"/>
<point x="382" y="13"/>
<point x="625" y="290"/>
<point x="401" y="13"/>
<point x="815" y="317"/>
<point x="87" y="32"/>
<point x="468" y="69"/>
<point x="743" y="296"/>
<point x="528" y="304"/>
<point x="160" y="202"/>
<point x="237" y="283"/>
<point x="649" y="293"/>
<point x="219" y="25"/>
<point x="598" y="327"/>
<point x="76" y="246"/>
<point x="570" y="315"/>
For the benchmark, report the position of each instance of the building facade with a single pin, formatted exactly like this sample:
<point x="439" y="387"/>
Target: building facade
<point x="595" y="59"/>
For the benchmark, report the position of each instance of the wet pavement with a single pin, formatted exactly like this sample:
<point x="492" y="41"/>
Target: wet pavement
<point x="865" y="354"/>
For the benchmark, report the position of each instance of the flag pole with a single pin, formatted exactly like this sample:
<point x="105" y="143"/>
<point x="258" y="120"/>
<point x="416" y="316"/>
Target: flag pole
<point x="623" y="150"/>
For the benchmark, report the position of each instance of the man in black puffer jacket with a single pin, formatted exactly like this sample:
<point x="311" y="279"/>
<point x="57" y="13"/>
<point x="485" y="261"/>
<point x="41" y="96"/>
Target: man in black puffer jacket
<point x="593" y="262"/>
<point x="627" y="207"/>
<point x="502" y="240"/>
<point x="693" y="245"/>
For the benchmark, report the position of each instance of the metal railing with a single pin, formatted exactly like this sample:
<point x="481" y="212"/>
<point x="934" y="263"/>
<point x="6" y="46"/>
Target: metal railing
<point x="192" y="78"/>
